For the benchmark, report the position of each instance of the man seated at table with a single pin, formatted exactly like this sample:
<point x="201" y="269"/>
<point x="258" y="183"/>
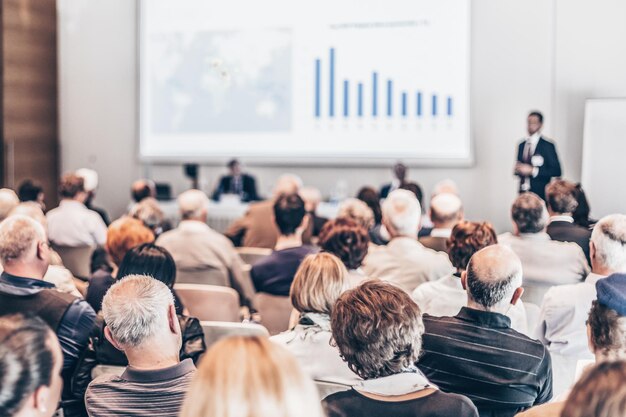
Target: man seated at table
<point x="237" y="183"/>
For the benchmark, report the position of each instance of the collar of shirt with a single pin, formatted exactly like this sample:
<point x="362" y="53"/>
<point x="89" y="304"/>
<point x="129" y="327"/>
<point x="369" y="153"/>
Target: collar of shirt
<point x="592" y="278"/>
<point x="484" y="318"/>
<point x="193" y="226"/>
<point x="23" y="282"/>
<point x="535" y="236"/>
<point x="398" y="384"/>
<point x="153" y="375"/>
<point x="404" y="242"/>
<point x="441" y="233"/>
<point x="72" y="204"/>
<point x="534" y="139"/>
<point x="315" y="319"/>
<point x="568" y="219"/>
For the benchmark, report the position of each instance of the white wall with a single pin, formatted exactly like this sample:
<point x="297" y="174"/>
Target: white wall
<point x="526" y="54"/>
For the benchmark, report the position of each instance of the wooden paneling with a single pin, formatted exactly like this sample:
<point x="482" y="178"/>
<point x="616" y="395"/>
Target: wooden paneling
<point x="29" y="94"/>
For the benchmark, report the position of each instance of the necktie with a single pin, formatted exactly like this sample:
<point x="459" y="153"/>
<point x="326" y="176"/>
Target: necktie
<point x="527" y="152"/>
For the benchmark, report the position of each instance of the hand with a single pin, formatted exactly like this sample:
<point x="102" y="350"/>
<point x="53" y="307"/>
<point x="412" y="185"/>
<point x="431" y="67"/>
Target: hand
<point x="525" y="170"/>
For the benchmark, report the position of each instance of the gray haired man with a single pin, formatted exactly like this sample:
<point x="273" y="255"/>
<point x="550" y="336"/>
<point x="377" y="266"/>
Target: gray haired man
<point x="141" y="321"/>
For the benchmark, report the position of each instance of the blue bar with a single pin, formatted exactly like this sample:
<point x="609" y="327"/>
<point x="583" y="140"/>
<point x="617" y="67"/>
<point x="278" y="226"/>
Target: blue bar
<point x="419" y="104"/>
<point x="404" y="103"/>
<point x="374" y="94"/>
<point x="449" y="106"/>
<point x="360" y="99"/>
<point x="331" y="104"/>
<point x="434" y="105"/>
<point x="389" y="94"/>
<point x="318" y="65"/>
<point x="345" y="98"/>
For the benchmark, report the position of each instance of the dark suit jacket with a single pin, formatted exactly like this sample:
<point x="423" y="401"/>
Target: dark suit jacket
<point x="551" y="166"/>
<point x="570" y="232"/>
<point x="247" y="192"/>
<point x="384" y="191"/>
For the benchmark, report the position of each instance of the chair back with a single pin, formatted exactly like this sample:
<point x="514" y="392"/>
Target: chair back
<point x="275" y="311"/>
<point x="211" y="276"/>
<point x="77" y="259"/>
<point x="250" y="255"/>
<point x="217" y="330"/>
<point x="209" y="302"/>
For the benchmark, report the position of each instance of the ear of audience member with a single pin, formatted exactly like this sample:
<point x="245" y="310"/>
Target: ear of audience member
<point x="318" y="283"/>
<point x="30" y="367"/>
<point x="378" y="328"/>
<point x="141" y="321"/>
<point x="245" y="376"/>
<point x="122" y="235"/>
<point x="8" y="201"/>
<point x="600" y="392"/>
<point x="349" y="241"/>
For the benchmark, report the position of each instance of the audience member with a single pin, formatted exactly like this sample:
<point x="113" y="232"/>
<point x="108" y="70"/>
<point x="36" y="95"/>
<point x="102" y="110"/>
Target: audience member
<point x="141" y="321"/>
<point x="415" y="189"/>
<point x="378" y="329"/>
<point x="446" y="186"/>
<point x="312" y="198"/>
<point x="202" y="255"/>
<point x="399" y="178"/>
<point x="565" y="307"/>
<point x="476" y="353"/>
<point x="150" y="214"/>
<point x="319" y="282"/>
<point x="581" y="214"/>
<point x="601" y="392"/>
<point x="30" y="368"/>
<point x="250" y="376"/>
<point x="30" y="190"/>
<point x="25" y="254"/>
<point x="349" y="241"/>
<point x="257" y="228"/>
<point x="404" y="261"/>
<point x="237" y="183"/>
<point x="446" y="296"/>
<point x="357" y="210"/>
<point x="56" y="274"/>
<point x="445" y="211"/>
<point x="561" y="198"/>
<point x="370" y="196"/>
<point x="73" y="224"/>
<point x="142" y="189"/>
<point x="8" y="201"/>
<point x="546" y="262"/>
<point x="274" y="273"/>
<point x="122" y="235"/>
<point x="90" y="181"/>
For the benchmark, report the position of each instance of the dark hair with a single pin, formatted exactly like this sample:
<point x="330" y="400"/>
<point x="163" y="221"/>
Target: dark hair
<point x="485" y="292"/>
<point x="600" y="392"/>
<point x="561" y="196"/>
<point x="70" y="185"/>
<point x="537" y="114"/>
<point x="29" y="191"/>
<point x="528" y="213"/>
<point x="346" y="239"/>
<point x="377" y="328"/>
<point x="232" y="163"/>
<point x="26" y="360"/>
<point x="466" y="239"/>
<point x="288" y="212"/>
<point x="141" y="190"/>
<point x="581" y="214"/>
<point x="149" y="259"/>
<point x="415" y="189"/>
<point x="370" y="196"/>
<point x="608" y="329"/>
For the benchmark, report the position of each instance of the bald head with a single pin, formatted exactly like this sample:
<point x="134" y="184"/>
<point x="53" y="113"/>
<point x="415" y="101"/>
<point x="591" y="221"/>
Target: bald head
<point x="193" y="205"/>
<point x="23" y="247"/>
<point x="287" y="184"/>
<point x="446" y="210"/>
<point x="493" y="278"/>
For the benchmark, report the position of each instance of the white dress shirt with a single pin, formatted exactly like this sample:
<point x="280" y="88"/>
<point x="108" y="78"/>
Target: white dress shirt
<point x="446" y="296"/>
<point x="406" y="263"/>
<point x="73" y="224"/>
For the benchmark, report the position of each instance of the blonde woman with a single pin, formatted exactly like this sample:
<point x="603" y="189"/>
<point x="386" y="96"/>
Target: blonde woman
<point x="319" y="282"/>
<point x="250" y="376"/>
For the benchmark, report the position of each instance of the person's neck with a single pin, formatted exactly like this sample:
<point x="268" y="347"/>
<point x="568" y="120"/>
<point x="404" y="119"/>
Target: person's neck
<point x="24" y="270"/>
<point x="444" y="226"/>
<point x="554" y="214"/>
<point x="288" y="241"/>
<point x="609" y="356"/>
<point x="601" y="269"/>
<point x="195" y="219"/>
<point x="404" y="237"/>
<point x="493" y="309"/>
<point x="156" y="357"/>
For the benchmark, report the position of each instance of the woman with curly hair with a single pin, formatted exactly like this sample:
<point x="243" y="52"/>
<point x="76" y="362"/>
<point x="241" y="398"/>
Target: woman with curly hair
<point x="446" y="296"/>
<point x="349" y="241"/>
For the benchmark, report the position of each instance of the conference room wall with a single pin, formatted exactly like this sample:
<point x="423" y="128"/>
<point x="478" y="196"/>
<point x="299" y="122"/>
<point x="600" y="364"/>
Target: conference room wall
<point x="526" y="54"/>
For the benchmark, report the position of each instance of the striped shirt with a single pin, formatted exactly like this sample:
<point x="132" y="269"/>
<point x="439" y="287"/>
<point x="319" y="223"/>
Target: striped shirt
<point x="477" y="354"/>
<point x="138" y="393"/>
